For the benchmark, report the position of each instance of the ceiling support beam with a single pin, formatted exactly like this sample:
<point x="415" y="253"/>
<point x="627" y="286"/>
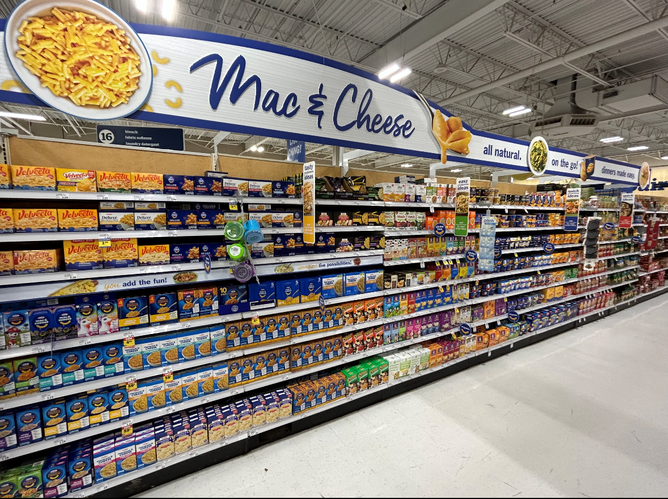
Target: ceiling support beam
<point x="604" y="44"/>
<point x="446" y="20"/>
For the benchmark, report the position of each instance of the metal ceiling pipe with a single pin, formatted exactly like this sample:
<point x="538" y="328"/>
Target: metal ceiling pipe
<point x="606" y="43"/>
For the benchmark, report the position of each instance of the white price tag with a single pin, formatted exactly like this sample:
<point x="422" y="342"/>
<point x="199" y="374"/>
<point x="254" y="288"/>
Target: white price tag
<point x="172" y="233"/>
<point x="47" y="396"/>
<point x="70" y="275"/>
<point x="62" y="195"/>
<point x="431" y="208"/>
<point x="86" y="341"/>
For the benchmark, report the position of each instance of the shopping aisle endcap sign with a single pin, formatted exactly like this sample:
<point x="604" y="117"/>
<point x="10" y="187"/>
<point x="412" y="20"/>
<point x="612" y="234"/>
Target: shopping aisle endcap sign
<point x="140" y="136"/>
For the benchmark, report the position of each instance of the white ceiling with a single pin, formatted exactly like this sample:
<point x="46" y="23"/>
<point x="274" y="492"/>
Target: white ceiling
<point x="497" y="39"/>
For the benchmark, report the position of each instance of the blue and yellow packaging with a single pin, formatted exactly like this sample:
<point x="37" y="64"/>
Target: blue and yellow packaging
<point x="8" y="430"/>
<point x="262" y="295"/>
<point x="184" y="253"/>
<point x="271" y="328"/>
<point x="179" y="184"/>
<point x="28" y="425"/>
<point x="76" y="407"/>
<point x="64" y="322"/>
<point x="210" y="219"/>
<point x="310" y="289"/>
<point x="169" y="351"/>
<point x="233" y="335"/>
<point x="41" y="325"/>
<point x="163" y="308"/>
<point x="287" y="292"/>
<point x="295" y="324"/>
<point x="202" y="343"/>
<point x="208" y="302"/>
<point x="218" y="341"/>
<point x="112" y="357"/>
<point x="233" y="299"/>
<point x="246" y="332"/>
<point x="49" y="371"/>
<point x="72" y="363"/>
<point x="188" y="304"/>
<point x="98" y="407"/>
<point x="132" y="312"/>
<point x="182" y="219"/>
<point x="258" y="331"/>
<point x="54" y="418"/>
<point x="118" y="402"/>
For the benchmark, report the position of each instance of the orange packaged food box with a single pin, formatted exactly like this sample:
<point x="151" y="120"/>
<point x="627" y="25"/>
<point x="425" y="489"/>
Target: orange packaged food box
<point x="77" y="220"/>
<point x="113" y="181"/>
<point x="35" y="220"/>
<point x="36" y="261"/>
<point x="6" y="220"/>
<point x="6" y="262"/>
<point x="68" y="179"/>
<point x="154" y="254"/>
<point x="121" y="253"/>
<point x="147" y="183"/>
<point x="34" y="178"/>
<point x="4" y="177"/>
<point x="82" y="254"/>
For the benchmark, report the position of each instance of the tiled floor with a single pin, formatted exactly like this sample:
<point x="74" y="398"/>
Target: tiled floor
<point x="581" y="414"/>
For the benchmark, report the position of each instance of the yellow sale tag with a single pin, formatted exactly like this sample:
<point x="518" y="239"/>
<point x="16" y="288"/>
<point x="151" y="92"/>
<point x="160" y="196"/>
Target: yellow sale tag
<point x="234" y="207"/>
<point x="168" y="377"/>
<point x="104" y="243"/>
<point x="129" y="341"/>
<point x="255" y="320"/>
<point x="131" y="385"/>
<point x="126" y="430"/>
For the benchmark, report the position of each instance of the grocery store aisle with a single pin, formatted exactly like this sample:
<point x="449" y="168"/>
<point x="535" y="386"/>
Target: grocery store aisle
<point x="581" y="414"/>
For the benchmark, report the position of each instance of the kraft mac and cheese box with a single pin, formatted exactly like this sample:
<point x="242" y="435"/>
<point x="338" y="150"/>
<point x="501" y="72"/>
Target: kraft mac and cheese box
<point x="233" y="299"/>
<point x="217" y="251"/>
<point x="49" y="371"/>
<point x="107" y="313"/>
<point x="132" y="312"/>
<point x="93" y="362"/>
<point x="208" y="302"/>
<point x="208" y="186"/>
<point x="148" y="183"/>
<point x="163" y="308"/>
<point x="262" y="295"/>
<point x="112" y="355"/>
<point x="64" y="322"/>
<point x="82" y="254"/>
<point x="41" y="325"/>
<point x="86" y="316"/>
<point x="188" y="304"/>
<point x="118" y="402"/>
<point x="72" y="362"/>
<point x="121" y="253"/>
<point x="34" y="178"/>
<point x="8" y="429"/>
<point x="154" y="254"/>
<point x="179" y="184"/>
<point x="113" y="181"/>
<point x="17" y="328"/>
<point x="35" y="220"/>
<point x="75" y="180"/>
<point x="28" y="425"/>
<point x="310" y="289"/>
<point x="184" y="253"/>
<point x="98" y="405"/>
<point x="54" y="418"/>
<point x="287" y="292"/>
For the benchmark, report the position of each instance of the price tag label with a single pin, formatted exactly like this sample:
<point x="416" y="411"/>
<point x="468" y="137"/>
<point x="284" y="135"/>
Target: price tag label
<point x="129" y="341"/>
<point x="168" y="375"/>
<point x="104" y="242"/>
<point x="421" y="264"/>
<point x="234" y="206"/>
<point x="131" y="383"/>
<point x="126" y="429"/>
<point x="255" y="320"/>
<point x="431" y="208"/>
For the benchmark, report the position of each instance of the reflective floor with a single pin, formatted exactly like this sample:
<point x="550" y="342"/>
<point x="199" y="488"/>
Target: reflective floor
<point x="582" y="414"/>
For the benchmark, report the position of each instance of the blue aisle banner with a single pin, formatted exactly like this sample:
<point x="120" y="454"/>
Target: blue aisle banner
<point x="141" y="136"/>
<point x="297" y="151"/>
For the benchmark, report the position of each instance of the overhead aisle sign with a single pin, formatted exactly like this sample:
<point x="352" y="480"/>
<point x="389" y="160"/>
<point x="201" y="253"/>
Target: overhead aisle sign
<point x="199" y="79"/>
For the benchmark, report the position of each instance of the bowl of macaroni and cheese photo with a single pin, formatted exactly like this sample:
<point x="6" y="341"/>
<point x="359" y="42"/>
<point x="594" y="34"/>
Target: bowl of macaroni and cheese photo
<point x="79" y="57"/>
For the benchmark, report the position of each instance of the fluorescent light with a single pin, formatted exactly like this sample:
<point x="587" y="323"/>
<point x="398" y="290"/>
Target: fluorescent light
<point x="637" y="148"/>
<point x="407" y="165"/>
<point x="19" y="116"/>
<point x="388" y="70"/>
<point x="664" y="157"/>
<point x="253" y="148"/>
<point x="513" y="109"/>
<point x="260" y="149"/>
<point x="142" y="5"/>
<point x="168" y="7"/>
<point x="455" y="171"/>
<point x="609" y="140"/>
<point x="401" y="74"/>
<point x="520" y="113"/>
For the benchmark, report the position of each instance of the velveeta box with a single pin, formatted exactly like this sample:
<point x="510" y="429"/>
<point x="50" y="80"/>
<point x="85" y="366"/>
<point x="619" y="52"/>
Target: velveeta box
<point x="75" y="180"/>
<point x="34" y="178"/>
<point x="6" y="220"/>
<point x="113" y="181"/>
<point x="82" y="254"/>
<point x="4" y="177"/>
<point x="121" y="253"/>
<point x="149" y="183"/>
<point x="36" y="261"/>
<point x="6" y="268"/>
<point x="35" y="220"/>
<point x="154" y="254"/>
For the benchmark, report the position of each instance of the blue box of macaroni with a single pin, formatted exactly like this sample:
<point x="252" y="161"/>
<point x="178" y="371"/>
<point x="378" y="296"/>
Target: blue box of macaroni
<point x="262" y="295"/>
<point x="184" y="253"/>
<point x="163" y="308"/>
<point x="132" y="312"/>
<point x="287" y="292"/>
<point x="8" y="429"/>
<point x="233" y="299"/>
<point x="182" y="219"/>
<point x="179" y="184"/>
<point x="210" y="219"/>
<point x="310" y="288"/>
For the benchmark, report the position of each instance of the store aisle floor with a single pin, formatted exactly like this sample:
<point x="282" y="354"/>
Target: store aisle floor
<point x="581" y="414"/>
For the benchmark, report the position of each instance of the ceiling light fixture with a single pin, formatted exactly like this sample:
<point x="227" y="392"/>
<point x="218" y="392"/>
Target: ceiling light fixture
<point x="520" y="113"/>
<point x="260" y="149"/>
<point x="407" y="165"/>
<point x="388" y="70"/>
<point x="664" y="157"/>
<point x="513" y="110"/>
<point x="168" y="7"/>
<point x="19" y="116"/>
<point x="400" y="74"/>
<point x="142" y="5"/>
<point x="455" y="171"/>
<point x="637" y="148"/>
<point x="610" y="140"/>
<point x="253" y="148"/>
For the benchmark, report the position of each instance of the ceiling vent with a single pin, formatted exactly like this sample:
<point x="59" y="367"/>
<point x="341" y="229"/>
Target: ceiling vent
<point x="634" y="96"/>
<point x="565" y="118"/>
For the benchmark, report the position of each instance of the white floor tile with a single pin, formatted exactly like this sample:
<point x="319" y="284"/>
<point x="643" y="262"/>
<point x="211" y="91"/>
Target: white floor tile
<point x="580" y="414"/>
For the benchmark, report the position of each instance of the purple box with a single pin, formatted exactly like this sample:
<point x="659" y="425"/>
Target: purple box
<point x="500" y="306"/>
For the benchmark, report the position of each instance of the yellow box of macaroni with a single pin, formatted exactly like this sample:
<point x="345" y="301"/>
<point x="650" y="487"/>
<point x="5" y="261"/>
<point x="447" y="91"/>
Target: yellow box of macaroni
<point x="35" y="220"/>
<point x="82" y="254"/>
<point x="77" y="220"/>
<point x="71" y="180"/>
<point x="34" y="178"/>
<point x="36" y="261"/>
<point x="5" y="179"/>
<point x="6" y="220"/>
<point x="113" y="181"/>
<point x="154" y="254"/>
<point x="147" y="183"/>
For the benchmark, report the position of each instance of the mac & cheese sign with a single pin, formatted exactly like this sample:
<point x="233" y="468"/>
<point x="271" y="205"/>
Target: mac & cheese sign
<point x="197" y="79"/>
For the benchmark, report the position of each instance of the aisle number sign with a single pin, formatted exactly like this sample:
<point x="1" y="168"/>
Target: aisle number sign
<point x="463" y="195"/>
<point x="572" y="210"/>
<point x="626" y="213"/>
<point x="308" y="194"/>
